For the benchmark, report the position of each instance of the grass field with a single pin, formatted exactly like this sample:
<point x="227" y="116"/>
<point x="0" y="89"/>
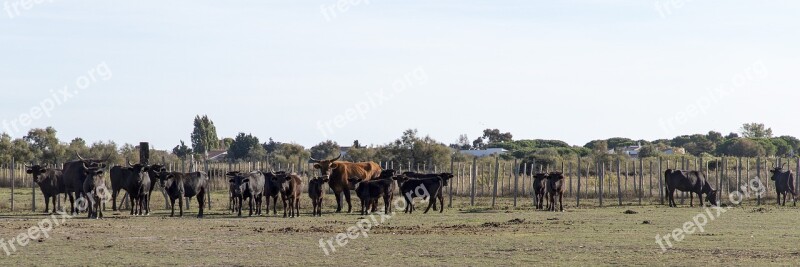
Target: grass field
<point x="461" y="236"/>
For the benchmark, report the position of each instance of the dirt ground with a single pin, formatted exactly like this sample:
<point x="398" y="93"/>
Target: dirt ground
<point x="461" y="236"/>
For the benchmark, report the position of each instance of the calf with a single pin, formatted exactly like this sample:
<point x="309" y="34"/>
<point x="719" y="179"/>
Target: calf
<point x="232" y="197"/>
<point x="540" y="189"/>
<point x="445" y="176"/>
<point x="250" y="187"/>
<point x="153" y="172"/>
<point x="180" y="185"/>
<point x="272" y="189"/>
<point x="138" y="187"/>
<point x="48" y="180"/>
<point x="94" y="189"/>
<point x="784" y="183"/>
<point x="370" y="191"/>
<point x="426" y="188"/>
<point x="555" y="187"/>
<point x="689" y="181"/>
<point x="316" y="193"/>
<point x="289" y="186"/>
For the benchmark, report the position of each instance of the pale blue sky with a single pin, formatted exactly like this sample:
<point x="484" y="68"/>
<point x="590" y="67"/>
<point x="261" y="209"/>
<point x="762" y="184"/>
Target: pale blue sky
<point x="569" y="70"/>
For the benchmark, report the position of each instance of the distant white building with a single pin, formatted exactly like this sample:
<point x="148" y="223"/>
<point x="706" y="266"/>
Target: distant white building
<point x="484" y="152"/>
<point x="674" y="151"/>
<point x="632" y="151"/>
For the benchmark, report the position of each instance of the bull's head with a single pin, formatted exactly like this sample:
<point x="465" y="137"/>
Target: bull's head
<point x="36" y="171"/>
<point x="445" y="176"/>
<point x="325" y="167"/>
<point x="354" y="181"/>
<point x="386" y="174"/>
<point x="316" y="183"/>
<point x="711" y="197"/>
<point x="555" y="176"/>
<point x="138" y="170"/>
<point x="776" y="171"/>
<point x="237" y="182"/>
<point x="92" y="162"/>
<point x="400" y="179"/>
<point x="165" y="178"/>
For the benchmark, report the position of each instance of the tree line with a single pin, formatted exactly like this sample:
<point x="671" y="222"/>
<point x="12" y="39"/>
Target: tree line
<point x="43" y="146"/>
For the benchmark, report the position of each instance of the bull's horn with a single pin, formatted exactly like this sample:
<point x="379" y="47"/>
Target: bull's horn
<point x="84" y="165"/>
<point x="338" y="157"/>
<point x="129" y="163"/>
<point x="313" y="160"/>
<point x="79" y="156"/>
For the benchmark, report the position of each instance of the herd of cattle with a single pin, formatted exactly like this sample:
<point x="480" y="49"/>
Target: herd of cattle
<point x="83" y="179"/>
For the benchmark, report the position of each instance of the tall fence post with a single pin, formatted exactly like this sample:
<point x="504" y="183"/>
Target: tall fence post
<point x="515" y="169"/>
<point x="13" y="170"/>
<point x="578" y="195"/>
<point x="600" y="174"/>
<point x="660" y="186"/>
<point x="450" y="186"/>
<point x="473" y="178"/>
<point x="496" y="177"/>
<point x="641" y="180"/>
<point x="33" y="197"/>
<point x="619" y="184"/>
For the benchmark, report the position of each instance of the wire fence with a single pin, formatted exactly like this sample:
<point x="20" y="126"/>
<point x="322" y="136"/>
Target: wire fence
<point x="587" y="182"/>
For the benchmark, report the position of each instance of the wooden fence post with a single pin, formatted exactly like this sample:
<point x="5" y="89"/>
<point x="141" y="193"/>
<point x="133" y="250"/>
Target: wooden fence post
<point x="641" y="180"/>
<point x="515" y="169"/>
<point x="496" y="177"/>
<point x="600" y="177"/>
<point x="449" y="187"/>
<point x="13" y="170"/>
<point x="660" y="186"/>
<point x="33" y="197"/>
<point x="619" y="185"/>
<point x="473" y="178"/>
<point x="578" y="195"/>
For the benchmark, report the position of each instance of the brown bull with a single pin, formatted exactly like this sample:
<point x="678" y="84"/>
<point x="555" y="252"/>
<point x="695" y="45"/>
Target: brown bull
<point x="339" y="172"/>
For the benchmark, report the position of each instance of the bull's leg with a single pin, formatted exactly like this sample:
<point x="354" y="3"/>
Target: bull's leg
<point x="71" y="202"/>
<point x="172" y="203"/>
<point x="561" y="201"/>
<point x="133" y="204"/>
<point x="700" y="198"/>
<point x="347" y="198"/>
<point x="338" y="196"/>
<point x="670" y="199"/>
<point x="201" y="202"/>
<point x="784" y="199"/>
<point x="275" y="205"/>
<point x="259" y="201"/>
<point x="386" y="207"/>
<point x="297" y="207"/>
<point x="432" y="200"/>
<point x="180" y="206"/>
<point x="250" y="205"/>
<point x="691" y="199"/>
<point x="285" y="201"/>
<point x="778" y="195"/>
<point x="114" y="199"/>
<point x="441" y="202"/>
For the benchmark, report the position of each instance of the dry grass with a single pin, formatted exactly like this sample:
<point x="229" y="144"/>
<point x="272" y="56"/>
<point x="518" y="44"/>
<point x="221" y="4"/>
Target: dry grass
<point x="462" y="235"/>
